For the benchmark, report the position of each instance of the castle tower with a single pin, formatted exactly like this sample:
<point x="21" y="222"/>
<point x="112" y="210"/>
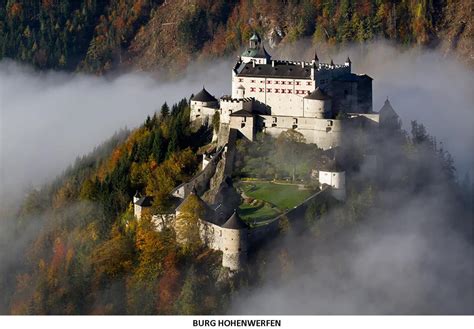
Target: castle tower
<point x="318" y="104"/>
<point x="234" y="242"/>
<point x="388" y="117"/>
<point x="348" y="62"/>
<point x="140" y="204"/>
<point x="240" y="92"/>
<point x="256" y="51"/>
<point x="336" y="179"/>
<point x="203" y="106"/>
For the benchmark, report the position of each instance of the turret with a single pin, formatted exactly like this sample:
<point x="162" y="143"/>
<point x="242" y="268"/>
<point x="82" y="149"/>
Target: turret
<point x="256" y="51"/>
<point x="240" y="92"/>
<point x="234" y="242"/>
<point x="316" y="59"/>
<point x="348" y="62"/>
<point x="318" y="104"/>
<point x="203" y="105"/>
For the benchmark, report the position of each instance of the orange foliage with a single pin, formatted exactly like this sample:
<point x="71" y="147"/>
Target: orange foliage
<point x="47" y="4"/>
<point x="15" y="9"/>
<point x="168" y="285"/>
<point x="59" y="253"/>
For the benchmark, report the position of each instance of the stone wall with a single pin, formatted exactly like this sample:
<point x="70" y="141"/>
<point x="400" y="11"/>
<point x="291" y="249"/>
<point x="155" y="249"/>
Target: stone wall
<point x="326" y="133"/>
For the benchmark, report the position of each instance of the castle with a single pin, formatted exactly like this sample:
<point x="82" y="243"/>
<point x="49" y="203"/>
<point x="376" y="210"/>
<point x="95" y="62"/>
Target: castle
<point x="321" y="101"/>
<point x="273" y="96"/>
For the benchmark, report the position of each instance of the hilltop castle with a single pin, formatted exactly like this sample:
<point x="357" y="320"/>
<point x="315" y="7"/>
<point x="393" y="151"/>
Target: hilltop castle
<point x="273" y="96"/>
<point x="321" y="101"/>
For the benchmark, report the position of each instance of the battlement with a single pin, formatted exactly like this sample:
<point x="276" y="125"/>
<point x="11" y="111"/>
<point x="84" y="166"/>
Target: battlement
<point x="230" y="99"/>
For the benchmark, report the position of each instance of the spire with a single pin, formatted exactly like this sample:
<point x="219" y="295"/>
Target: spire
<point x="316" y="58"/>
<point x="332" y="62"/>
<point x="348" y="60"/>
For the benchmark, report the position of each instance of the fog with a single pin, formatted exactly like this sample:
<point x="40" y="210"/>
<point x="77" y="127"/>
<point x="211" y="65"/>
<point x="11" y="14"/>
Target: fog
<point x="405" y="259"/>
<point x="47" y="119"/>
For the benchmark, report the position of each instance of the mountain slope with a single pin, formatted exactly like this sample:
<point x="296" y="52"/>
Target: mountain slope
<point x="98" y="36"/>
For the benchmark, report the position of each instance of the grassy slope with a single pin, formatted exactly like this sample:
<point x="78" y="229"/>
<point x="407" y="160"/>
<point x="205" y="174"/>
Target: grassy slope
<point x="281" y="196"/>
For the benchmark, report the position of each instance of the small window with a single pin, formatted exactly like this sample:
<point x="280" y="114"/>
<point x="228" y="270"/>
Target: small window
<point x="252" y="89"/>
<point x="283" y="82"/>
<point x="308" y="83"/>
<point x="241" y="80"/>
<point x="289" y="91"/>
<point x="294" y="126"/>
<point x="269" y="82"/>
<point x="252" y="81"/>
<point x="277" y="90"/>
<point x="242" y="125"/>
<point x="298" y="83"/>
<point x="289" y="82"/>
<point x="260" y="90"/>
<point x="276" y="82"/>
<point x="269" y="90"/>
<point x="283" y="91"/>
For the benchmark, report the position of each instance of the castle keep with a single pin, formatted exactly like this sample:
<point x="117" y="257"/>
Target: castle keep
<point x="273" y="96"/>
<point x="321" y="101"/>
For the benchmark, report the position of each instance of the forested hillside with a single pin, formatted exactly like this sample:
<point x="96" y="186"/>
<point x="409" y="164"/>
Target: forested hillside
<point x="74" y="246"/>
<point x="98" y="36"/>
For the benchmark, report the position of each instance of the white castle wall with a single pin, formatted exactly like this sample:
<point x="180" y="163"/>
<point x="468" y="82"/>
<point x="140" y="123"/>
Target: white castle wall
<point x="285" y="96"/>
<point x="337" y="181"/>
<point x="314" y="108"/>
<point x="231" y="105"/>
<point x="326" y="133"/>
<point x="245" y="124"/>
<point x="203" y="110"/>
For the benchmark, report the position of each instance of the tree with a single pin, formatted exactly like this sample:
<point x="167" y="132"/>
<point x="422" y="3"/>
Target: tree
<point x="165" y="110"/>
<point x="288" y="149"/>
<point x="188" y="301"/>
<point x="187" y="223"/>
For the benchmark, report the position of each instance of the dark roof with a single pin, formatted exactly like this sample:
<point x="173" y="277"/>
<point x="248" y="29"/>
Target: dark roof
<point x="235" y="222"/>
<point x="387" y="109"/>
<point x="144" y="201"/>
<point x="189" y="198"/>
<point x="279" y="70"/>
<point x="318" y="94"/>
<point x="351" y="77"/>
<point x="204" y="96"/>
<point x="242" y="113"/>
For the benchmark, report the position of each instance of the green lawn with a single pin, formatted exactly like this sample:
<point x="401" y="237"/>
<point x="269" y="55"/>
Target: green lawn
<point x="282" y="196"/>
<point x="257" y="214"/>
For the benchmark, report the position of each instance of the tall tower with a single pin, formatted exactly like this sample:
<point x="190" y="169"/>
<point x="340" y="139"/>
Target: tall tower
<point x="256" y="51"/>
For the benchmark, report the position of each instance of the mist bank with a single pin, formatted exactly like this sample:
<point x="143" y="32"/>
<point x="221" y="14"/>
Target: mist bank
<point x="403" y="259"/>
<point x="47" y="119"/>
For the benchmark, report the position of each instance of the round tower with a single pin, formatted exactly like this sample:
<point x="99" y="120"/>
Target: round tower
<point x="240" y="92"/>
<point x="203" y="105"/>
<point x="234" y="242"/>
<point x="318" y="104"/>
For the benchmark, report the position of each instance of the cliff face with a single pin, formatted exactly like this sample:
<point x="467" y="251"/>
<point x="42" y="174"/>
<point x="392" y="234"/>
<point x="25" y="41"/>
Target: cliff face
<point x="98" y="36"/>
